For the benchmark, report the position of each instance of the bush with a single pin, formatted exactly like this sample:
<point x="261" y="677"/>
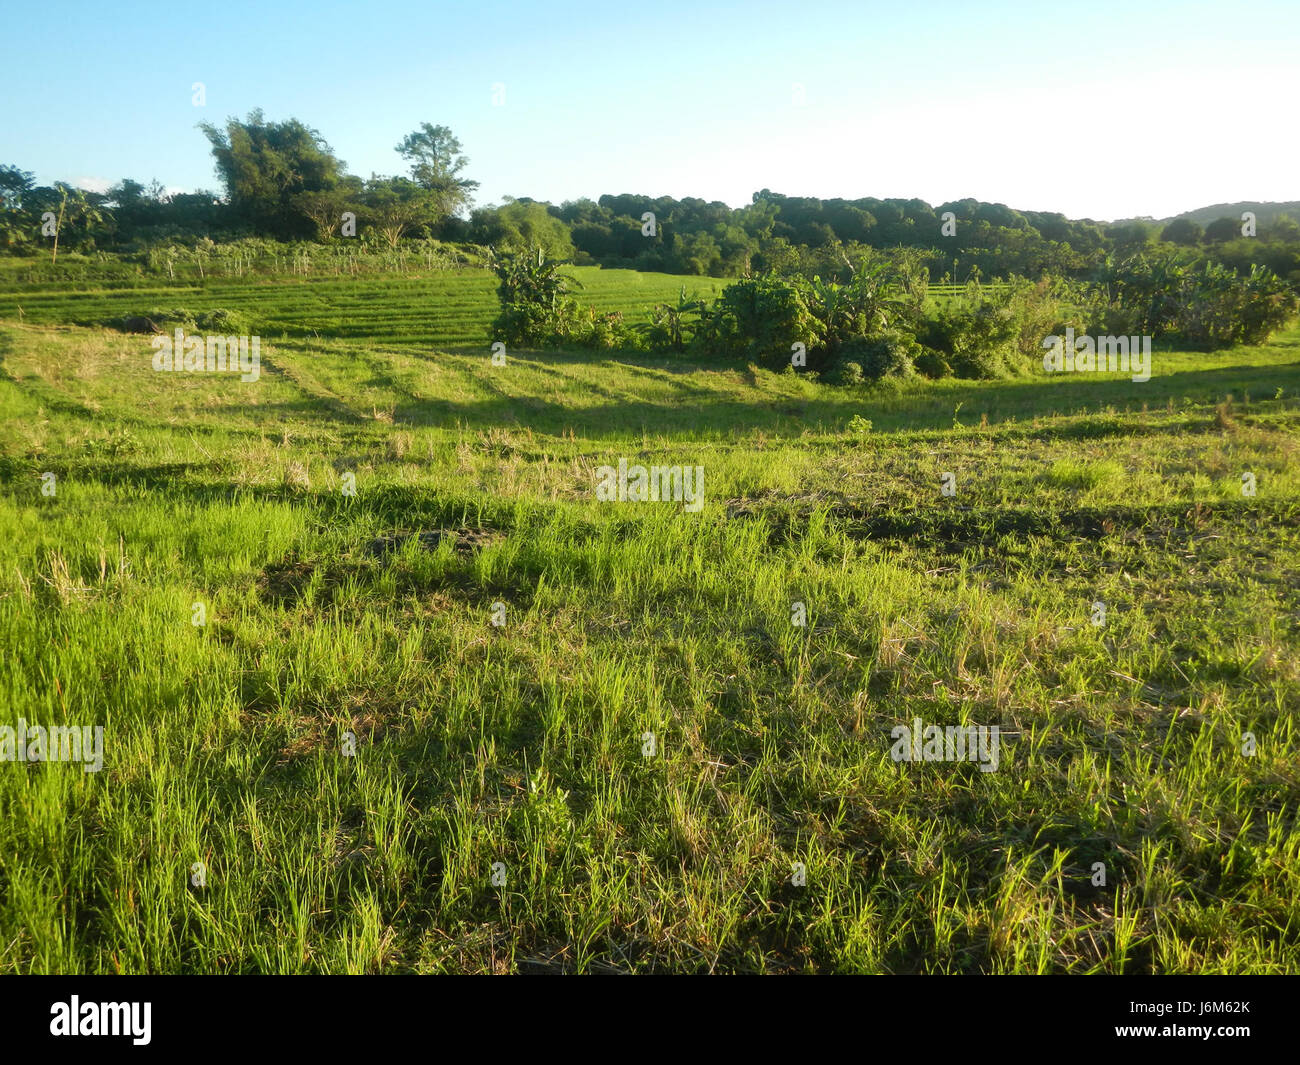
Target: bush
<point x="590" y="328"/>
<point x="536" y="308"/>
<point x="759" y="320"/>
<point x="844" y="371"/>
<point x="977" y="334"/>
<point x="1038" y="309"/>
<point x="888" y="354"/>
<point x="932" y="364"/>
<point x="1199" y="303"/>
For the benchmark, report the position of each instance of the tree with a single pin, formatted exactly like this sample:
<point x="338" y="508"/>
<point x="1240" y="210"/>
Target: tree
<point x="76" y="218"/>
<point x="396" y="206"/>
<point x="520" y="225"/>
<point x="1182" y="231"/>
<point x="1283" y="229"/>
<point x="15" y="184"/>
<point x="434" y="155"/>
<point x="326" y="207"/>
<point x="264" y="165"/>
<point x="1133" y="236"/>
<point x="1222" y="229"/>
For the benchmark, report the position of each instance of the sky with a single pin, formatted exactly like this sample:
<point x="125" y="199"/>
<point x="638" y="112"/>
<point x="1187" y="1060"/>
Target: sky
<point x="1096" y="109"/>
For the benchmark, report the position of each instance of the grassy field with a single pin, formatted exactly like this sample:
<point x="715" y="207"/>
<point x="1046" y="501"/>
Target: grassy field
<point x="354" y="751"/>
<point x="453" y="308"/>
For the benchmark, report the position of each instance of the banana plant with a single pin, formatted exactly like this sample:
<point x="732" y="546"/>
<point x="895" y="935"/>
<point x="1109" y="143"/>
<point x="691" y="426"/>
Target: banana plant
<point x="672" y="319"/>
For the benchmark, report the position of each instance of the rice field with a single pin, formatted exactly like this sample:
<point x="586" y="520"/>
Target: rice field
<point x="438" y="309"/>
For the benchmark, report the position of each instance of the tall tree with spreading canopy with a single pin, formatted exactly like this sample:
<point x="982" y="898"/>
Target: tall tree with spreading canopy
<point x="434" y="155"/>
<point x="266" y="165"/>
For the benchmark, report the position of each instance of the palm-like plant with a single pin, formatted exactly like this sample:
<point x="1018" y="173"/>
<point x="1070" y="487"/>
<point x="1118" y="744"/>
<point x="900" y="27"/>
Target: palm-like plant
<point x="670" y="321"/>
<point x="534" y="296"/>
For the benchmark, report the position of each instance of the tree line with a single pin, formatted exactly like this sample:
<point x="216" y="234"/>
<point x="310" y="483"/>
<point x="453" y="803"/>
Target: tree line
<point x="871" y="319"/>
<point x="281" y="181"/>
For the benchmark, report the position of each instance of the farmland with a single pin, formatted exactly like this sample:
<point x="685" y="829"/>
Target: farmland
<point x="350" y="767"/>
<point x="451" y="308"/>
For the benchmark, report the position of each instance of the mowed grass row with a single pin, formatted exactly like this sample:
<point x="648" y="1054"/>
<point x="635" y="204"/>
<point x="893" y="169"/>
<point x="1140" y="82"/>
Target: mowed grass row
<point x="448" y="308"/>
<point x="522" y="744"/>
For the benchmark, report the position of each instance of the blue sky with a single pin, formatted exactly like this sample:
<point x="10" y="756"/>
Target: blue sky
<point x="1096" y="109"/>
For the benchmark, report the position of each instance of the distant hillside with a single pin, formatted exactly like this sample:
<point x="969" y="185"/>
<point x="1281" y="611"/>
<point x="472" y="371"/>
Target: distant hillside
<point x="1203" y="216"/>
<point x="1264" y="212"/>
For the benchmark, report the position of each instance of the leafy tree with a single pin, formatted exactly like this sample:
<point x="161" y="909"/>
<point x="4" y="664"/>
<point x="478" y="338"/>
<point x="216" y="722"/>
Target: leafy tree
<point x="15" y="185"/>
<point x="397" y="206"/>
<point x="1221" y="230"/>
<point x="1131" y="236"/>
<point x="1283" y="230"/>
<point x="326" y="207"/>
<point x="435" y="158"/>
<point x="77" y="218"/>
<point x="265" y="165"/>
<point x="520" y="225"/>
<point x="1182" y="231"/>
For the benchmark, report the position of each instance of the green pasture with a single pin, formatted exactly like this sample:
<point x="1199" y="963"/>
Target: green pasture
<point x="350" y="767"/>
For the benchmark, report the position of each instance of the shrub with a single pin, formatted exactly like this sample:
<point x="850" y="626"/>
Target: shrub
<point x="536" y="308"/>
<point x="1203" y="304"/>
<point x="932" y="364"/>
<point x="759" y="319"/>
<point x="976" y="333"/>
<point x="590" y="328"/>
<point x="1038" y="309"/>
<point x="673" y="327"/>
<point x="887" y="354"/>
<point x="844" y="371"/>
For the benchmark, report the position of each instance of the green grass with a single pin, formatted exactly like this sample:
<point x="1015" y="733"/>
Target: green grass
<point x="522" y="744"/>
<point x="435" y="310"/>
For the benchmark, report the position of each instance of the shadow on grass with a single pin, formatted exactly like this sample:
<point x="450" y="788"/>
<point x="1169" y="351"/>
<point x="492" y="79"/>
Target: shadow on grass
<point x="919" y="406"/>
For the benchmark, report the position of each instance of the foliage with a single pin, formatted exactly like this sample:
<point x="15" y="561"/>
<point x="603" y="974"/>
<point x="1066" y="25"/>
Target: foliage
<point x="434" y="155"/>
<point x="265" y="165"/>
<point x="761" y="319"/>
<point x="1198" y="301"/>
<point x="886" y="354"/>
<point x="521" y="225"/>
<point x="975" y="333"/>
<point x="536" y="306"/>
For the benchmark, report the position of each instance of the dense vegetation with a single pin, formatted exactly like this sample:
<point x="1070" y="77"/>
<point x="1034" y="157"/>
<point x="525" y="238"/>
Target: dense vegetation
<point x="875" y="320"/>
<point x="282" y="183"/>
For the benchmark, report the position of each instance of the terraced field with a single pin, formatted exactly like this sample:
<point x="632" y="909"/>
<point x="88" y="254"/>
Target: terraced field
<point x="451" y="308"/>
